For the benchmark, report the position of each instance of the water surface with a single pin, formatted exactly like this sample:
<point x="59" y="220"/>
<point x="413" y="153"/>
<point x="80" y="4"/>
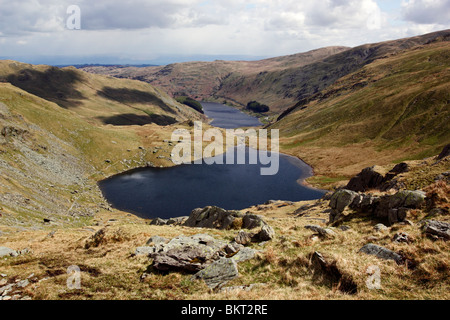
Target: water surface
<point x="176" y="191"/>
<point x="227" y="117"/>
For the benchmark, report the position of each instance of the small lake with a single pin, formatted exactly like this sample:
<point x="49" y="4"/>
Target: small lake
<point x="176" y="191"/>
<point x="227" y="117"/>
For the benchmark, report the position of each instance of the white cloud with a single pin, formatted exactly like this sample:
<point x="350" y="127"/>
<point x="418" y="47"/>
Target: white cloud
<point x="427" y="11"/>
<point x="141" y="29"/>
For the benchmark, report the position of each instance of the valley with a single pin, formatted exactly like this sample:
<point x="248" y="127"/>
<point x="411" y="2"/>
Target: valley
<point x="339" y="109"/>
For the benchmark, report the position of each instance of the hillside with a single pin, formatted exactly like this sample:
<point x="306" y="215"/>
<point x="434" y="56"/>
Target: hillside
<point x="98" y="99"/>
<point x="393" y="109"/>
<point x="62" y="130"/>
<point x="278" y="82"/>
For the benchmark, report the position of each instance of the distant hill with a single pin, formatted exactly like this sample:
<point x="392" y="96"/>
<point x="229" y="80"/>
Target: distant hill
<point x="395" y="108"/>
<point x="99" y="99"/>
<point x="237" y="81"/>
<point x="277" y="82"/>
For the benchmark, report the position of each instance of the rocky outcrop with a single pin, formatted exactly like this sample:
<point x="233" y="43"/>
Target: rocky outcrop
<point x="369" y="178"/>
<point x="374" y="178"/>
<point x="381" y="253"/>
<point x="212" y="217"/>
<point x="216" y="259"/>
<point x="218" y="273"/>
<point x="437" y="229"/>
<point x="390" y="208"/>
<point x="218" y="218"/>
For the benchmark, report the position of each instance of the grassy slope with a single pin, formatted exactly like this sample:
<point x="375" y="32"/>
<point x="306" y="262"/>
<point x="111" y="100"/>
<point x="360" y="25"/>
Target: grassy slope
<point x="393" y="109"/>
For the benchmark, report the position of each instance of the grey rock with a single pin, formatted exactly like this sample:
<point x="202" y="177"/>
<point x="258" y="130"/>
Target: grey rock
<point x="177" y="221"/>
<point x="381" y="252"/>
<point x="159" y="222"/>
<point x="140" y="251"/>
<point x="189" y="254"/>
<point x="243" y="237"/>
<point x="437" y="228"/>
<point x="323" y="232"/>
<point x="380" y="227"/>
<point x="23" y="283"/>
<point x="266" y="234"/>
<point x="6" y="289"/>
<point x="402" y="237"/>
<point x="212" y="217"/>
<point x="218" y="273"/>
<point x="244" y="254"/>
<point x="157" y="240"/>
<point x="341" y="199"/>
<point x="7" y="252"/>
<point x="252" y="221"/>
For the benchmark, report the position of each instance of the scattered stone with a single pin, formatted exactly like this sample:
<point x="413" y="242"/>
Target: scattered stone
<point x="218" y="273"/>
<point x="436" y="228"/>
<point x="380" y="227"/>
<point x="159" y="222"/>
<point x="325" y="233"/>
<point x="7" y="252"/>
<point x="243" y="237"/>
<point x="344" y="228"/>
<point x="266" y="234"/>
<point x="22" y="283"/>
<point x="3" y="282"/>
<point x="177" y="221"/>
<point x="144" y="251"/>
<point x="381" y="252"/>
<point x="402" y="237"/>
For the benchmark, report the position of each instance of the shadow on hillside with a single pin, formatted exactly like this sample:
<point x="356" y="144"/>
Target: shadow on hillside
<point x="130" y="119"/>
<point x="54" y="85"/>
<point x="124" y="95"/>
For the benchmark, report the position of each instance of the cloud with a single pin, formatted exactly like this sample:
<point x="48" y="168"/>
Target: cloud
<point x="427" y="11"/>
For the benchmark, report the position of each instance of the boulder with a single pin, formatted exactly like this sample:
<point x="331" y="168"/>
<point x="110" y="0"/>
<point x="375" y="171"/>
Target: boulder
<point x="438" y="229"/>
<point x="212" y="217"/>
<point x="243" y="237"/>
<point x="381" y="253"/>
<point x="340" y="200"/>
<point x="252" y="221"/>
<point x="325" y="233"/>
<point x="265" y="234"/>
<point x="159" y="222"/>
<point x="7" y="252"/>
<point x="369" y="178"/>
<point x="192" y="254"/>
<point x="218" y="273"/>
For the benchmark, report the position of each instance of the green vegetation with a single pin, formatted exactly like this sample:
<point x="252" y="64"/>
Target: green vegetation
<point x="257" y="107"/>
<point x="194" y="104"/>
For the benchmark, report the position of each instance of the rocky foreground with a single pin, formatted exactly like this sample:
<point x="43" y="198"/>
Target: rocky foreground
<point x="371" y="239"/>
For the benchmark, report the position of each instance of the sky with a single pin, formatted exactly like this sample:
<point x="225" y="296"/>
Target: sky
<point x="165" y="31"/>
